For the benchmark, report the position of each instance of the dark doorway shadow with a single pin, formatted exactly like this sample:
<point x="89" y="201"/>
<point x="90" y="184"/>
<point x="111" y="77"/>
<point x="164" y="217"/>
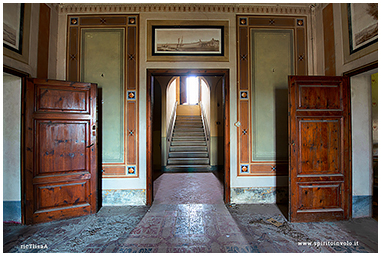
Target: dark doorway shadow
<point x="157" y="131"/>
<point x="282" y="150"/>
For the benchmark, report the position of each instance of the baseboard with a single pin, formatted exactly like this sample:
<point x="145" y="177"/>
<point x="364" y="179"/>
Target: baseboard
<point x="361" y="206"/>
<point x="12" y="211"/>
<point x="259" y="195"/>
<point x="120" y="197"/>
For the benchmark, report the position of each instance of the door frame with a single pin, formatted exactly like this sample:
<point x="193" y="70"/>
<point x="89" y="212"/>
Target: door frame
<point x="23" y="76"/>
<point x="151" y="73"/>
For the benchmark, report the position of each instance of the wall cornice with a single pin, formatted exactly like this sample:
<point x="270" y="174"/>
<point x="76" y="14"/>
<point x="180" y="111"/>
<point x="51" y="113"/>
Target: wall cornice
<point x="289" y="9"/>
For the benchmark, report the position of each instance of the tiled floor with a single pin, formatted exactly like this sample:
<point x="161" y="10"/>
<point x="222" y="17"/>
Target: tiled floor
<point x="188" y="215"/>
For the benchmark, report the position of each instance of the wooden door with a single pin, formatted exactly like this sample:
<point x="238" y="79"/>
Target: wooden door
<point x="60" y="150"/>
<point x="320" y="149"/>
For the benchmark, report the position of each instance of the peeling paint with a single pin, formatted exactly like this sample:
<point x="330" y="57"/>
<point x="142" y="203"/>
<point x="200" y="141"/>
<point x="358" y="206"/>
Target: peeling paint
<point x="259" y="195"/>
<point x="124" y="197"/>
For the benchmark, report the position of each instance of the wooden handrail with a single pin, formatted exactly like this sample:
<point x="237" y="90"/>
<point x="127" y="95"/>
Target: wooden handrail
<point x="170" y="128"/>
<point x="206" y="128"/>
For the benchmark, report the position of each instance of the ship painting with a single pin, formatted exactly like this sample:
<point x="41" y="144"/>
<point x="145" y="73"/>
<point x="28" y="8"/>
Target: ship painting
<point x="212" y="45"/>
<point x="188" y="41"/>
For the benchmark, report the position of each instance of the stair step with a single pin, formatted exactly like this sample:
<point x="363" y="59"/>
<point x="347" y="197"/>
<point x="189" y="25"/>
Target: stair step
<point x="188" y="143"/>
<point x="187" y="117"/>
<point x="187" y="128"/>
<point x="190" y="124"/>
<point x="192" y="161"/>
<point x="187" y="148"/>
<point x="190" y="133"/>
<point x="188" y="154"/>
<point x="189" y="138"/>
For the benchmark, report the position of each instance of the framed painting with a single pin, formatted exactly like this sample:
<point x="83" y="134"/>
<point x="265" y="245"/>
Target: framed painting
<point x="187" y="41"/>
<point x="358" y="23"/>
<point x="362" y="24"/>
<point x="13" y="21"/>
<point x="16" y="30"/>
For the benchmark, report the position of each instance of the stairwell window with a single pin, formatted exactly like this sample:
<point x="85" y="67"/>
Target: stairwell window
<point x="193" y="92"/>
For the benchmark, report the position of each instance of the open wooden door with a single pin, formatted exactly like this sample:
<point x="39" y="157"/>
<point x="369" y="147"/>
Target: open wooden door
<point x="320" y="149"/>
<point x="60" y="150"/>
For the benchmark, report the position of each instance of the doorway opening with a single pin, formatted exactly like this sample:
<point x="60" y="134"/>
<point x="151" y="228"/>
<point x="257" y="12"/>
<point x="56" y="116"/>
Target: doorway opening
<point x="13" y="132"/>
<point x="364" y="128"/>
<point x="190" y="93"/>
<point x="189" y="90"/>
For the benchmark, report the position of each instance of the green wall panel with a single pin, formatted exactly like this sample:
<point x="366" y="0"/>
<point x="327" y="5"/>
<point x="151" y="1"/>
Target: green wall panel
<point x="102" y="63"/>
<point x="272" y="63"/>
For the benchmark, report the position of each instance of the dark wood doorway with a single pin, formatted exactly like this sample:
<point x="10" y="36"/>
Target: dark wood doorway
<point x="151" y="73"/>
<point x="60" y="172"/>
<point x="320" y="149"/>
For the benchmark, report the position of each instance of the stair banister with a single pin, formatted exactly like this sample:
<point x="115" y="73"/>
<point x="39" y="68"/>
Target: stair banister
<point x="170" y="128"/>
<point x="206" y="128"/>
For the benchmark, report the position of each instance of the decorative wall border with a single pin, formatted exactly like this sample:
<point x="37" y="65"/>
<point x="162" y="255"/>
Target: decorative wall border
<point x="297" y="9"/>
<point x="245" y="164"/>
<point x="130" y="22"/>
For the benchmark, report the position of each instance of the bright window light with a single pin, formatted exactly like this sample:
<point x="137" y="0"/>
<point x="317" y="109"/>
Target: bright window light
<point x="192" y="90"/>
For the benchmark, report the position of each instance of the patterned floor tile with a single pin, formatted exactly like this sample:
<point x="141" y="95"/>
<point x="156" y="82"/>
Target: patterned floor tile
<point x="201" y="224"/>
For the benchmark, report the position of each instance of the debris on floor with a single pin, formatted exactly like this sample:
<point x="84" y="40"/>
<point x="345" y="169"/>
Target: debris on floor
<point x="274" y="222"/>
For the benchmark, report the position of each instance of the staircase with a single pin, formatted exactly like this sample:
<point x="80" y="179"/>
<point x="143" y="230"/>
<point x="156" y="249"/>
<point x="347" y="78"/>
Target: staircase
<point x="188" y="146"/>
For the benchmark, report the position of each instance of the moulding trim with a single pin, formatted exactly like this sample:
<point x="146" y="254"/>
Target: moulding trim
<point x="219" y="8"/>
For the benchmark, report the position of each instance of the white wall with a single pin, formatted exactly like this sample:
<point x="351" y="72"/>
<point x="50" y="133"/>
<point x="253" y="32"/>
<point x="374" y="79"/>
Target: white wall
<point x="170" y="102"/>
<point x="11" y="138"/>
<point x="362" y="167"/>
<point x="205" y="100"/>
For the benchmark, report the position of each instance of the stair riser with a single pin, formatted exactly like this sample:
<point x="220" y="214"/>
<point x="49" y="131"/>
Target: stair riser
<point x="195" y="125"/>
<point x="200" y="134"/>
<point x="188" y="162"/>
<point x="188" y="154"/>
<point x="187" y="148"/>
<point x="188" y="129"/>
<point x="189" y="120"/>
<point x="188" y="143"/>
<point x="188" y="117"/>
<point x="188" y="139"/>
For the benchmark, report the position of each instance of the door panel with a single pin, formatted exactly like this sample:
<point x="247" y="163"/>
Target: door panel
<point x="66" y="151"/>
<point x="320" y="148"/>
<point x="60" y="150"/>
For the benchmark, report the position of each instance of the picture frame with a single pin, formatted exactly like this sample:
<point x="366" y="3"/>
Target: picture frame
<point x="13" y="23"/>
<point x="187" y="41"/>
<point x="18" y="47"/>
<point x="350" y="53"/>
<point x="362" y="24"/>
